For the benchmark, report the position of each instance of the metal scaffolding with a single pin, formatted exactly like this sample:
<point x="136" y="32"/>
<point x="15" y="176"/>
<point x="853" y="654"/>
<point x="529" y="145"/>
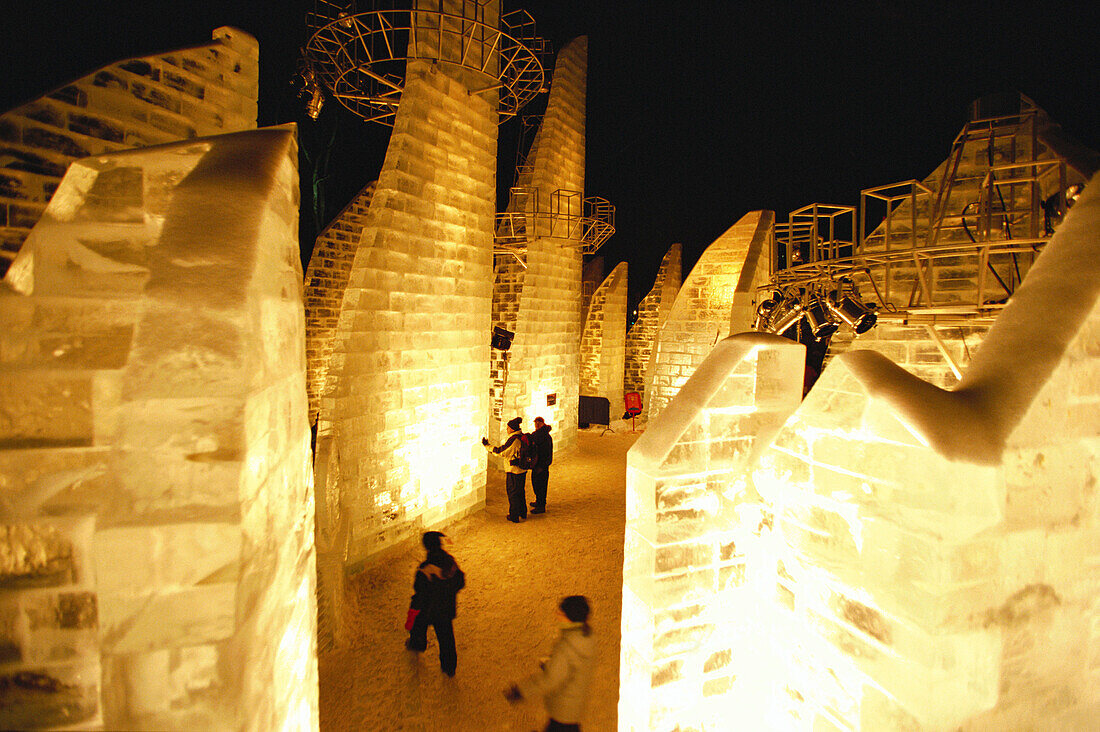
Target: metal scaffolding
<point x="951" y="248"/>
<point x="360" y="55"/>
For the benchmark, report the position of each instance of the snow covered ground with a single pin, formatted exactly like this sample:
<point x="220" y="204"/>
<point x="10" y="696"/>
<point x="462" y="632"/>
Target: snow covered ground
<point x="515" y="576"/>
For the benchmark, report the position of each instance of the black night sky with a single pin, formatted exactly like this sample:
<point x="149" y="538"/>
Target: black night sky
<point x="698" y="111"/>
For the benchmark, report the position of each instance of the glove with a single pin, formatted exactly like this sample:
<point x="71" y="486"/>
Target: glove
<point x="411" y="618"/>
<point x="512" y="694"/>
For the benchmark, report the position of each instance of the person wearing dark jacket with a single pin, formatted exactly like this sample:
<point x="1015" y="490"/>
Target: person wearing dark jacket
<point x="563" y="679"/>
<point x="544" y="455"/>
<point x="515" y="476"/>
<point x="438" y="580"/>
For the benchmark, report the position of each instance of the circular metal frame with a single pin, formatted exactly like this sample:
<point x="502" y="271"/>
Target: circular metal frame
<point x="361" y="57"/>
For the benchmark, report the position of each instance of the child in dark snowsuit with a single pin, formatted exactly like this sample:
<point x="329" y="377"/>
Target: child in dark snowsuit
<point x="438" y="580"/>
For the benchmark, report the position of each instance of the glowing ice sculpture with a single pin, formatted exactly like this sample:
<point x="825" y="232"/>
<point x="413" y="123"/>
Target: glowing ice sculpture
<point x="641" y="339"/>
<point x="913" y="558"/>
<point x="405" y="402"/>
<point x="933" y="554"/>
<point x="603" y="344"/>
<point x="207" y="89"/>
<point x="724" y="277"/>
<point x="156" y="385"/>
<point x="540" y="300"/>
<point x="686" y="535"/>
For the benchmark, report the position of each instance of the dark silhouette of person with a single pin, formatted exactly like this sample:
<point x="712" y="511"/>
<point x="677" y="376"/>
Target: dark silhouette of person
<point x="563" y="679"/>
<point x="544" y="455"/>
<point x="437" y="582"/>
<point x="515" y="477"/>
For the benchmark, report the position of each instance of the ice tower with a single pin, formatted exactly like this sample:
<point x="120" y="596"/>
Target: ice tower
<point x="157" y="504"/>
<point x="603" y="344"/>
<point x="537" y="291"/>
<point x="405" y="401"/>
<point x="728" y="272"/>
<point x="641" y="340"/>
<point x="208" y="89"/>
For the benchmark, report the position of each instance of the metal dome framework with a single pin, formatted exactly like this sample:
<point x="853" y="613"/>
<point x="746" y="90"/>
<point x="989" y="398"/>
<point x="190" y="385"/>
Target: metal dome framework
<point x="361" y="56"/>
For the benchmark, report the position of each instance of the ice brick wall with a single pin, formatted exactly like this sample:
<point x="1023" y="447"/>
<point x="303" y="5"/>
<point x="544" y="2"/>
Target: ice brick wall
<point x="700" y="316"/>
<point x="544" y="362"/>
<point x="406" y="401"/>
<point x="914" y="558"/>
<point x="939" y="548"/>
<point x="937" y="354"/>
<point x="508" y="276"/>
<point x="326" y="278"/>
<point x="603" y="343"/>
<point x="641" y="340"/>
<point x="686" y="528"/>
<point x="203" y="90"/>
<point x="155" y="372"/>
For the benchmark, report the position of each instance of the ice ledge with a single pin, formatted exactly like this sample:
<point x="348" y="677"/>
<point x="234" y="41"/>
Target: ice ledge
<point x="665" y="430"/>
<point x="972" y="422"/>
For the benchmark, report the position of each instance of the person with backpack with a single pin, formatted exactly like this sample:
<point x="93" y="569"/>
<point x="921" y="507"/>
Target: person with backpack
<point x="543" y="446"/>
<point x="438" y="580"/>
<point x="518" y="455"/>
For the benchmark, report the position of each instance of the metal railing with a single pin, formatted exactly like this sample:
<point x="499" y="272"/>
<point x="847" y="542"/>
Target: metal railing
<point x="583" y="222"/>
<point x="361" y="57"/>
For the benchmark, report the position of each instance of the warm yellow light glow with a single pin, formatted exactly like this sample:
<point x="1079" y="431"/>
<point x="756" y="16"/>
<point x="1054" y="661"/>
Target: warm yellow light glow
<point x="438" y="453"/>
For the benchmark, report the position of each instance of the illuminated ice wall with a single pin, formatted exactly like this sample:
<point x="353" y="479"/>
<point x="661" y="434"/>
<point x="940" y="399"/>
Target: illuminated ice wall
<point x="939" y="546"/>
<point x="157" y="502"/>
<point x="326" y="278"/>
<point x="938" y="354"/>
<point x="684" y="556"/>
<point x="603" y="343"/>
<point x="641" y="340"/>
<point x="701" y="315"/>
<point x="406" y="399"/>
<point x="914" y="558"/>
<point x="543" y="366"/>
<point x="208" y="89"/>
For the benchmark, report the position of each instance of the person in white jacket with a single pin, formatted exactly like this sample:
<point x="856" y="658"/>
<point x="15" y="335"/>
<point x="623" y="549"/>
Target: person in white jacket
<point x="563" y="679"/>
<point x="515" y="477"/>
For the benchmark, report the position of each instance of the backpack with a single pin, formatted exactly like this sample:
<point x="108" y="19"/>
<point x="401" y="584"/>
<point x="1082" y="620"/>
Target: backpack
<point x="525" y="458"/>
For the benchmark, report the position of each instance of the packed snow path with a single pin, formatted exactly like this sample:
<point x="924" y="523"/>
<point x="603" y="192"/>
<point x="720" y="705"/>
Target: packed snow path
<point x="515" y="576"/>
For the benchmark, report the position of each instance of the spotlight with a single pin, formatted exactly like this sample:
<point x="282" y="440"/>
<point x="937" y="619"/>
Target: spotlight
<point x="786" y="320"/>
<point x="1073" y="193"/>
<point x="764" y="312"/>
<point x="820" y="321"/>
<point x="502" y="338"/>
<point x="856" y="314"/>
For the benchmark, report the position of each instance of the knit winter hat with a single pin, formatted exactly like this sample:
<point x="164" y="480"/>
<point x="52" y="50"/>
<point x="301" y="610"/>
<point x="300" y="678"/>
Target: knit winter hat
<point x="575" y="608"/>
<point x="514" y="423"/>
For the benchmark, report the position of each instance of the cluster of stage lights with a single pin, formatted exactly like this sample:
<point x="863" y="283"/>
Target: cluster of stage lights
<point x="824" y="312"/>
